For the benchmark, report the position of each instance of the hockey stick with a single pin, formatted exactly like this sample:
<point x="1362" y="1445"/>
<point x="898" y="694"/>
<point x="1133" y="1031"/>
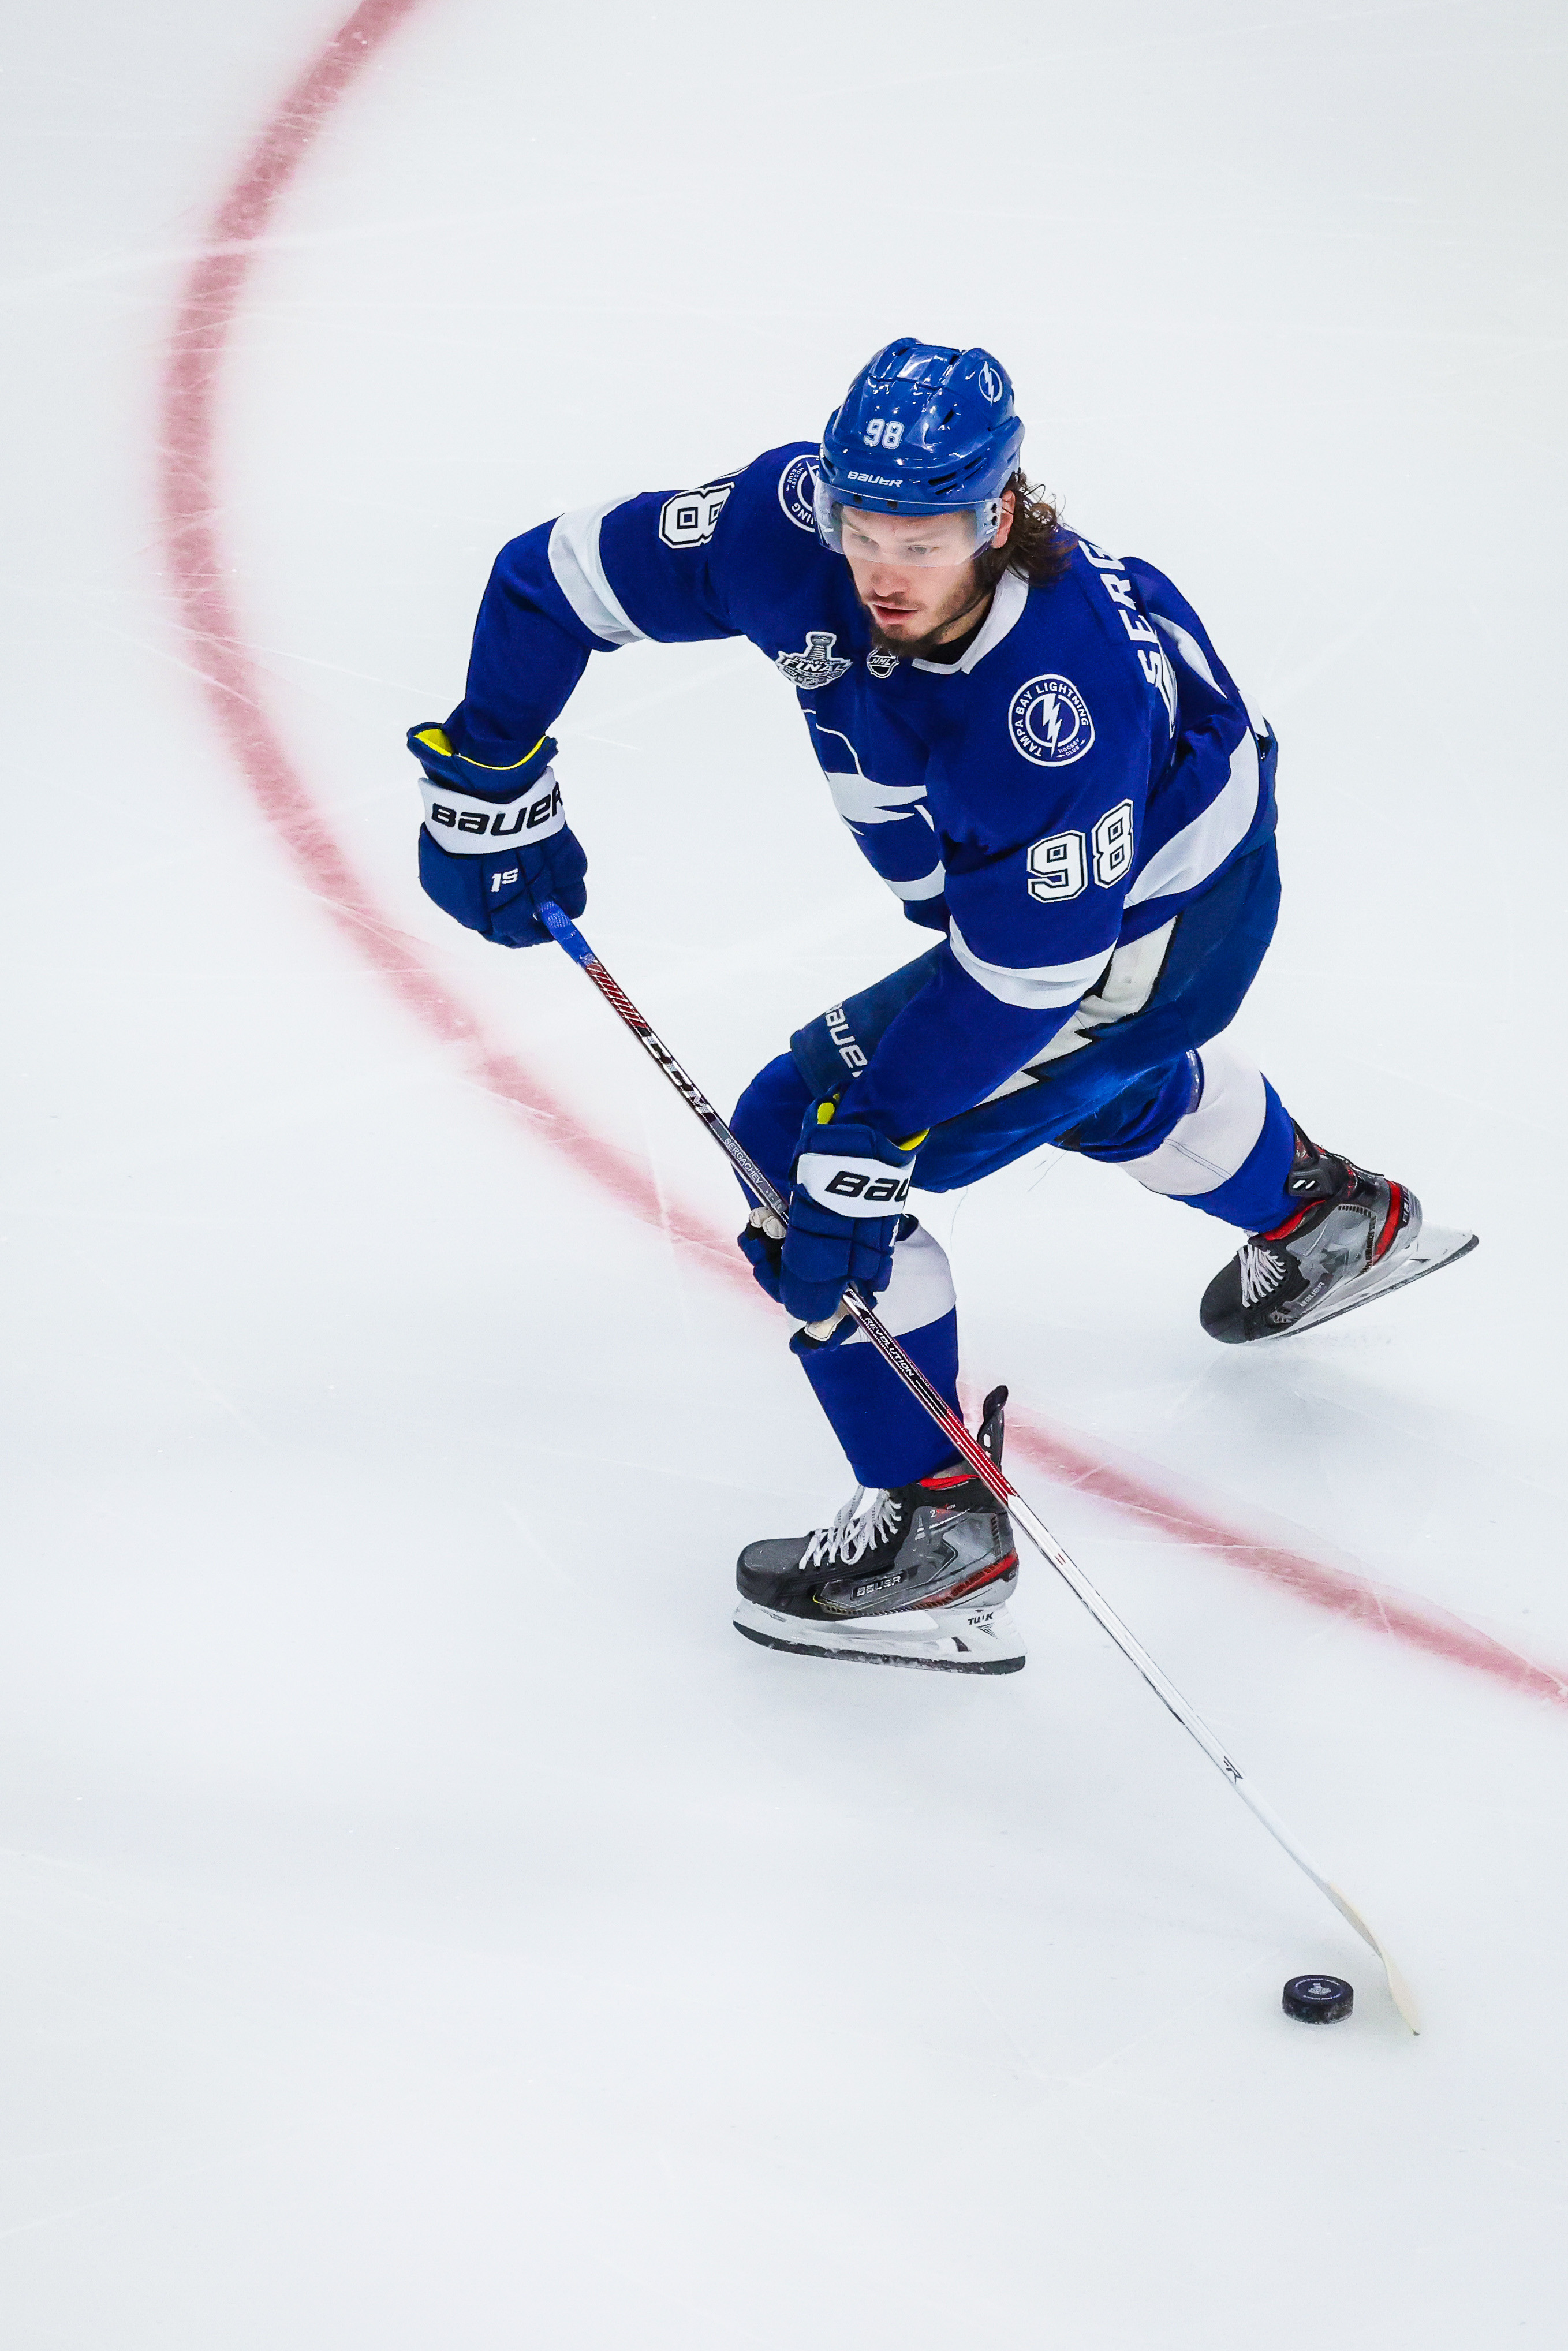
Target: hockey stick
<point x="569" y="936"/>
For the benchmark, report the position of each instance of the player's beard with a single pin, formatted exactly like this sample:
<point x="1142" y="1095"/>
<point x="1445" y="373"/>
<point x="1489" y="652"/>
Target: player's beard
<point x="964" y="603"/>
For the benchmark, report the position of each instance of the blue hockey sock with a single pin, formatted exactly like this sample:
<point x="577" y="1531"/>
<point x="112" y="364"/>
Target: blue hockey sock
<point x="890" y="1440"/>
<point x="1255" y="1197"/>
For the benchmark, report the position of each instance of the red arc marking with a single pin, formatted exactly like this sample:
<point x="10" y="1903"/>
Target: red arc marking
<point x="1421" y="1623"/>
<point x="192" y="513"/>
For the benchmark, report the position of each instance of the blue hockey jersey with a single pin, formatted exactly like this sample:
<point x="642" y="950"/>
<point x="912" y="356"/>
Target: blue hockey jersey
<point x="1084" y="769"/>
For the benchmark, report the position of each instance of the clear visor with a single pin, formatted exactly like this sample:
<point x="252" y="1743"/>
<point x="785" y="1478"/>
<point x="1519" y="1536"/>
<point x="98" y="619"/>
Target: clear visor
<point x="905" y="541"/>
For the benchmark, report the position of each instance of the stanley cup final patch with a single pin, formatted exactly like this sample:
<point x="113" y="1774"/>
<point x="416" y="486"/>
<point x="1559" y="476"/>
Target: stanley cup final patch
<point x="817" y="665"/>
<point x="1049" y="722"/>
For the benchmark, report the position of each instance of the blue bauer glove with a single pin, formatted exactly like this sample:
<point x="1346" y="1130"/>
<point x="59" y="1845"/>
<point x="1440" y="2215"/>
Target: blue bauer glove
<point x="495" y="841"/>
<point x="851" y="1189"/>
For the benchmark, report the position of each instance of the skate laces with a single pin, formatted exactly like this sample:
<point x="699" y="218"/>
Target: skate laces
<point x="867" y="1519"/>
<point x="1261" y="1271"/>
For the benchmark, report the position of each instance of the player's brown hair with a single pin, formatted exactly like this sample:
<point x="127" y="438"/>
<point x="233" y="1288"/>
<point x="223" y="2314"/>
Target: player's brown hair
<point x="1038" y="546"/>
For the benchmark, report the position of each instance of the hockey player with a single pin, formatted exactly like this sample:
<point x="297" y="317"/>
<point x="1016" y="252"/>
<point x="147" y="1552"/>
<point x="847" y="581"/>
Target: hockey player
<point x="1039" y="750"/>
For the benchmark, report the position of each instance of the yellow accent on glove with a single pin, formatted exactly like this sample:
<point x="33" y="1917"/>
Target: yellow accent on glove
<point x="440" y="743"/>
<point x="826" y="1109"/>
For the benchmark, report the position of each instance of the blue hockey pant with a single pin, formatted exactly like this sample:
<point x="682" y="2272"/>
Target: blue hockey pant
<point x="1140" y="1077"/>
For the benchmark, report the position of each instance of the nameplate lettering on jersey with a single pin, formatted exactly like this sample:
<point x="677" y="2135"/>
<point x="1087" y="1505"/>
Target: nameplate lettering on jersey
<point x="853" y="1188"/>
<point x="1152" y="657"/>
<point x="466" y="827"/>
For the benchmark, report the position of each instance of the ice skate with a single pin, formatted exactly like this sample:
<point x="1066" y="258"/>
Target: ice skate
<point x="914" y="1575"/>
<point x="1355" y="1237"/>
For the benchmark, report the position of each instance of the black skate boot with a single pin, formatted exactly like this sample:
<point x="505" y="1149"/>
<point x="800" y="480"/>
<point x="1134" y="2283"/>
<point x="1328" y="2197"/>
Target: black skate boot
<point x="1355" y="1237"/>
<point x="914" y="1575"/>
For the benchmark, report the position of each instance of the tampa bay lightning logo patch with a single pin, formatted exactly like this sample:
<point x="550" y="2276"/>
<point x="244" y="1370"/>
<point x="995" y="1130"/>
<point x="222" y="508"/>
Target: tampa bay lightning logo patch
<point x="819" y="665"/>
<point x="796" y="487"/>
<point x="1049" y="722"/>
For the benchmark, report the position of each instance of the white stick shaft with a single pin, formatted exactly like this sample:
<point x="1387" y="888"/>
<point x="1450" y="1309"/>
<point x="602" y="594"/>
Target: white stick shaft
<point x="1193" y="1723"/>
<point x="1002" y="1486"/>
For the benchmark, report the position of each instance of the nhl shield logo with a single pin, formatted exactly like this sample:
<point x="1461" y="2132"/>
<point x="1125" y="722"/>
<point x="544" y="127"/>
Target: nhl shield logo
<point x="817" y="665"/>
<point x="882" y="664"/>
<point x="1050" y="722"/>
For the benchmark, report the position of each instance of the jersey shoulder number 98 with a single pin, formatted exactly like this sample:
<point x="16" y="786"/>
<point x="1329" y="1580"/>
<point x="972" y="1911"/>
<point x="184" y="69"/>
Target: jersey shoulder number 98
<point x="690" y="518"/>
<point x="1059" y="865"/>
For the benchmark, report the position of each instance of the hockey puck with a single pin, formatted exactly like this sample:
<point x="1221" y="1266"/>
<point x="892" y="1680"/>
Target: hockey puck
<point x="1318" y="2000"/>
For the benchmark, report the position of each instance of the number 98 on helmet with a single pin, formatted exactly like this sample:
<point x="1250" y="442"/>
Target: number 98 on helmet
<point x="929" y="434"/>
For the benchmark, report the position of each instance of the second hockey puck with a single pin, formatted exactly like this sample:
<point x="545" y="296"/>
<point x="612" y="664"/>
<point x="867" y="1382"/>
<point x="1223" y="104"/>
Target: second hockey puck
<point x="1318" y="2000"/>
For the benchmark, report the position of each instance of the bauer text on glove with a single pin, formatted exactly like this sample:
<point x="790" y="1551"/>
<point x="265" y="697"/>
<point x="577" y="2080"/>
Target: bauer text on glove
<point x="851" y="1185"/>
<point x="495" y="842"/>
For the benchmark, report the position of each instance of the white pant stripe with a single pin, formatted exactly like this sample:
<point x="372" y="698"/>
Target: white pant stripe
<point x="1205" y="1147"/>
<point x="921" y="1290"/>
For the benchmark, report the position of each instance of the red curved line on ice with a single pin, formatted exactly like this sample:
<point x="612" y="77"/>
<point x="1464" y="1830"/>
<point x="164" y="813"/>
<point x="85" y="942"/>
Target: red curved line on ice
<point x="192" y="513"/>
<point x="235" y="691"/>
<point x="1421" y="1623"/>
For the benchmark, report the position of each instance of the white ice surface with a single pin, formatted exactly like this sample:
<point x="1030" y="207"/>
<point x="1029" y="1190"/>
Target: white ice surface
<point x="425" y="1922"/>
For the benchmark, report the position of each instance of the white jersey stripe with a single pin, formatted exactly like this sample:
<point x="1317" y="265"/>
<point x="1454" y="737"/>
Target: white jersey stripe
<point x="1126" y="987"/>
<point x="930" y="885"/>
<point x="1045" y="987"/>
<point x="579" y="570"/>
<point x="1191" y="855"/>
<point x="1188" y="650"/>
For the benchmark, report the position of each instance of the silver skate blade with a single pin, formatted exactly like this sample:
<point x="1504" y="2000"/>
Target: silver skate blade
<point x="1431" y="1250"/>
<point x="971" y="1637"/>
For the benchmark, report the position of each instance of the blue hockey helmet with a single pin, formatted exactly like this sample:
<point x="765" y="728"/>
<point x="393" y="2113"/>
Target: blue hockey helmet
<point x="923" y="429"/>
